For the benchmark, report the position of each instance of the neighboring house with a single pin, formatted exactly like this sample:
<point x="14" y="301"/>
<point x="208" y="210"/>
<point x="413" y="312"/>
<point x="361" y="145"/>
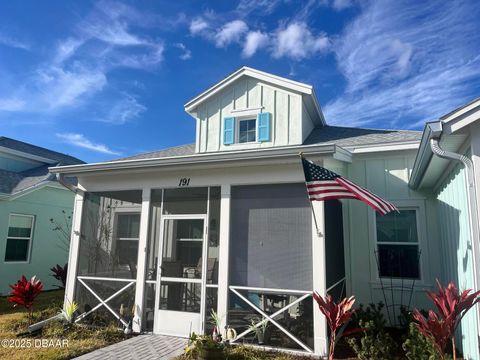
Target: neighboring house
<point x="225" y="223"/>
<point x="29" y="197"/>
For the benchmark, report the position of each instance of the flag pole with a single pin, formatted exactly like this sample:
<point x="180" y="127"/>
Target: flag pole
<point x="311" y="205"/>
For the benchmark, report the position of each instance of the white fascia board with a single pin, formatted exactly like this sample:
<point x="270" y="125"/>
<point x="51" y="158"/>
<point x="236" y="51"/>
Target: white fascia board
<point x="222" y="159"/>
<point x="256" y="74"/>
<point x="424" y="153"/>
<point x="462" y="118"/>
<point x="410" y="145"/>
<point x="26" y="155"/>
<point x="461" y="110"/>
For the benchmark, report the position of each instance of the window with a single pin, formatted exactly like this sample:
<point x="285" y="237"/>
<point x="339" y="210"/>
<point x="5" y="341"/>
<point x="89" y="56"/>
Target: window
<point x="20" y="229"/>
<point x="128" y="228"/>
<point x="398" y="245"/>
<point x="247" y="130"/>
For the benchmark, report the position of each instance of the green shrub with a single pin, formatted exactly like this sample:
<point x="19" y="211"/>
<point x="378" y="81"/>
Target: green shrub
<point x="374" y="343"/>
<point x="417" y="347"/>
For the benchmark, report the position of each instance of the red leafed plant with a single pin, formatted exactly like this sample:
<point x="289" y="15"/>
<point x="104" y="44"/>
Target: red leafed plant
<point x="451" y="307"/>
<point x="24" y="293"/>
<point x="60" y="273"/>
<point x="337" y="315"/>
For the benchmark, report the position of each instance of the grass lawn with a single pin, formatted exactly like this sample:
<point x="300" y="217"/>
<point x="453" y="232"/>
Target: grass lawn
<point x="80" y="339"/>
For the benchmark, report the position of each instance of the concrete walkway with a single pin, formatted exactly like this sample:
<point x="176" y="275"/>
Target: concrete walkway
<point x="159" y="347"/>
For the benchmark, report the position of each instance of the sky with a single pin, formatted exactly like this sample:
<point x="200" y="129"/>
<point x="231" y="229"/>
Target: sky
<point x="107" y="79"/>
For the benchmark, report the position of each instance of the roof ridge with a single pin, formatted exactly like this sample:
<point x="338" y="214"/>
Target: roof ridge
<point x="155" y="151"/>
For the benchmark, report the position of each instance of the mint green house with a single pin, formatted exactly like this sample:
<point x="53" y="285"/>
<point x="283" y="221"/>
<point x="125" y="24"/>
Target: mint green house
<point x="224" y="223"/>
<point x="29" y="198"/>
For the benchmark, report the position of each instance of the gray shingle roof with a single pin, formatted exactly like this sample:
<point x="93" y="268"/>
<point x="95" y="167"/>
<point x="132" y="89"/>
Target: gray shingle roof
<point x="14" y="182"/>
<point x="181" y="150"/>
<point x="341" y="136"/>
<point x="351" y="137"/>
<point x="13" y="144"/>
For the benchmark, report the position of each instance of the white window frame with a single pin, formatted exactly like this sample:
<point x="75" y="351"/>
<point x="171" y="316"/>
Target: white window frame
<point x="30" y="239"/>
<point x="419" y="207"/>
<point x="237" y="129"/>
<point x="115" y="226"/>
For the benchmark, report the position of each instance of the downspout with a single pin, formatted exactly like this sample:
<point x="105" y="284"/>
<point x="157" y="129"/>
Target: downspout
<point x="61" y="180"/>
<point x="472" y="202"/>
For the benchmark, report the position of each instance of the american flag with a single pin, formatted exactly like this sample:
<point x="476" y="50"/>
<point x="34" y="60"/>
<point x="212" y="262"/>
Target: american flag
<point x="323" y="184"/>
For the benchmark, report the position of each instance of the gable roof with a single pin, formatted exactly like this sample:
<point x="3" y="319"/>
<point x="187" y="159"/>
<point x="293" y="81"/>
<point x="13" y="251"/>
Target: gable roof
<point x="306" y="90"/>
<point x="345" y="137"/>
<point x="38" y="152"/>
<point x="13" y="183"/>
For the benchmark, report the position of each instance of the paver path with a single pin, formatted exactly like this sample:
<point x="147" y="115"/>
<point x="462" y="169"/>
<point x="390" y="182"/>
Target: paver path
<point x="158" y="347"/>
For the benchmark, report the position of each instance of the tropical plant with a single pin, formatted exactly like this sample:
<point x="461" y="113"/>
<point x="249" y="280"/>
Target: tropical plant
<point x="60" y="273"/>
<point x="216" y="321"/>
<point x="451" y="307"/>
<point x="259" y="327"/>
<point x="202" y="344"/>
<point x="69" y="311"/>
<point x="337" y="315"/>
<point x="24" y="293"/>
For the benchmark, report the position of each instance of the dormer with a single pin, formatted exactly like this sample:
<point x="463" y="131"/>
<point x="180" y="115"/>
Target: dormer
<point x="252" y="109"/>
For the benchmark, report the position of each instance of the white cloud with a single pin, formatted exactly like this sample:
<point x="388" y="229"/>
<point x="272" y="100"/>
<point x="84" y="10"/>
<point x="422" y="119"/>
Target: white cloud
<point x="113" y="33"/>
<point x="186" y="53"/>
<point x="127" y="109"/>
<point x="296" y="41"/>
<point x="198" y="25"/>
<point x="12" y="42"/>
<point x="254" y="40"/>
<point x="81" y="141"/>
<point x="61" y="87"/>
<point x="230" y="32"/>
<point x="341" y="4"/>
<point x="245" y="7"/>
<point x="402" y="62"/>
<point x="11" y="104"/>
<point x="67" y="48"/>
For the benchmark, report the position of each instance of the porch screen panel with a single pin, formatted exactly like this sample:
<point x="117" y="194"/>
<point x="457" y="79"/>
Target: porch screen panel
<point x="271" y="237"/>
<point x="109" y="235"/>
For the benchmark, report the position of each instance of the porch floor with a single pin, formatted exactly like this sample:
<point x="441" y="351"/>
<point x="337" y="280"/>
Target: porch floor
<point x="159" y="347"/>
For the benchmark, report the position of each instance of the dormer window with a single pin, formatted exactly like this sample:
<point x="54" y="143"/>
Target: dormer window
<point x="247" y="130"/>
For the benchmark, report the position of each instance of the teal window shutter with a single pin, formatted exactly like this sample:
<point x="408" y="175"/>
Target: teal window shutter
<point x="228" y="130"/>
<point x="263" y="121"/>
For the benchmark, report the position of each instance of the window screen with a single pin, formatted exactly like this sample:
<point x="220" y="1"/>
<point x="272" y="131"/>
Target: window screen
<point x="398" y="246"/>
<point x="271" y="237"/>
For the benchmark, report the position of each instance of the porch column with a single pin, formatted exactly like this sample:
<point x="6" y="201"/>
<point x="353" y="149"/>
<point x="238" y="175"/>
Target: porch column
<point x="74" y="248"/>
<point x="223" y="261"/>
<point x="141" y="261"/>
<point x="319" y="278"/>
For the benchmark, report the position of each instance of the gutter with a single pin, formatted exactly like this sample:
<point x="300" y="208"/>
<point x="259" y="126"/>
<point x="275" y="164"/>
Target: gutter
<point x="61" y="179"/>
<point x="472" y="204"/>
<point x="208" y="158"/>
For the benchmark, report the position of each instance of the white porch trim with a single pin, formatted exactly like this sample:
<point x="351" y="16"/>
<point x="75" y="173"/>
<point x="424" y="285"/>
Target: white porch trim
<point x="142" y="260"/>
<point x="74" y="249"/>
<point x="224" y="253"/>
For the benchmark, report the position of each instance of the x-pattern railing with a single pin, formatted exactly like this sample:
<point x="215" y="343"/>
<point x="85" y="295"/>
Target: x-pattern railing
<point x="270" y="318"/>
<point x="103" y="302"/>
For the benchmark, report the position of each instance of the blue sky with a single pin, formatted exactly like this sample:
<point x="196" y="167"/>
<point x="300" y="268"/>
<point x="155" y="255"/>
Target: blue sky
<point x="107" y="79"/>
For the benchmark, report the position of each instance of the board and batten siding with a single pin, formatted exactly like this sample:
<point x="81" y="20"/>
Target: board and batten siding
<point x="288" y="125"/>
<point x="385" y="174"/>
<point x="456" y="249"/>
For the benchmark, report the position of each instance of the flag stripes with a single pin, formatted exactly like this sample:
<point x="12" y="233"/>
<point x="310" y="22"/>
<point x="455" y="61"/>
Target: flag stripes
<point x="323" y="184"/>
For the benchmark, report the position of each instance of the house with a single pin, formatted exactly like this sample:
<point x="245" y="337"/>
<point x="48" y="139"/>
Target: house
<point x="29" y="197"/>
<point x="225" y="223"/>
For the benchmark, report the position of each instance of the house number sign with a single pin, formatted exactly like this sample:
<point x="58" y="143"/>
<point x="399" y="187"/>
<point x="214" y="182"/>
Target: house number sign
<point x="184" y="182"/>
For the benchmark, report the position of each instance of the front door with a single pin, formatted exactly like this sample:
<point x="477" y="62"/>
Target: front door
<point x="181" y="284"/>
